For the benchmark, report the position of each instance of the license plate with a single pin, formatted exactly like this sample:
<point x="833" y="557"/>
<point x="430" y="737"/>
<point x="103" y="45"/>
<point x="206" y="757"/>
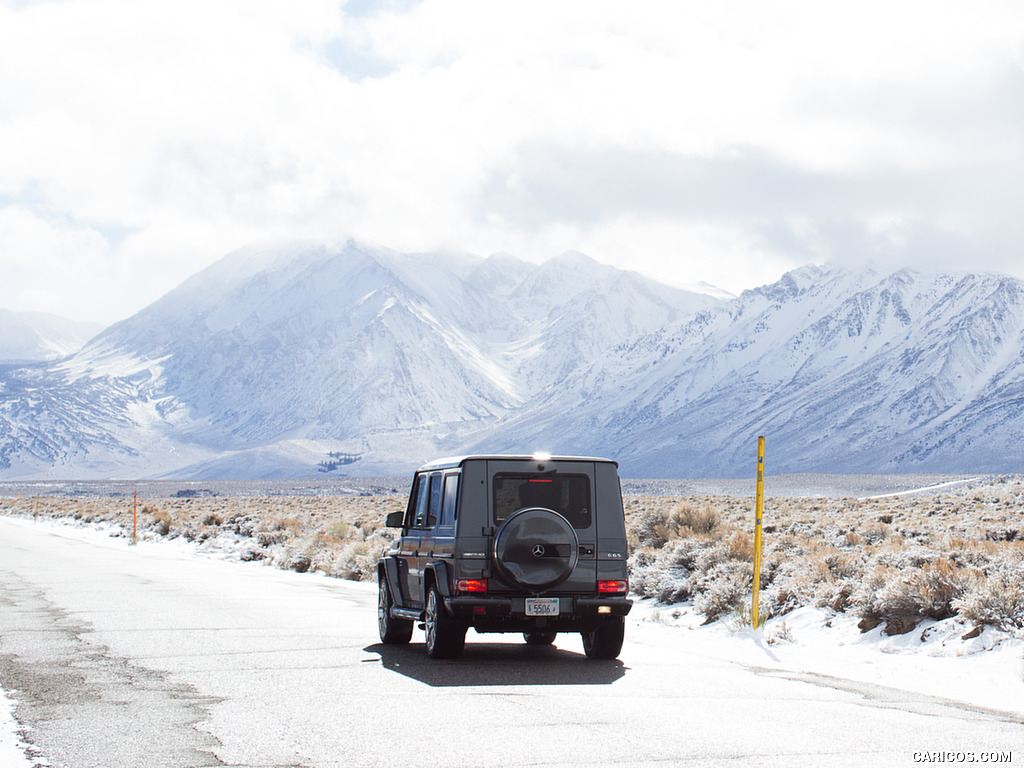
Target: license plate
<point x="542" y="606"/>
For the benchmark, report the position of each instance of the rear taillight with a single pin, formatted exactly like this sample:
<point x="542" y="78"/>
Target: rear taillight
<point x="613" y="587"/>
<point x="471" y="585"/>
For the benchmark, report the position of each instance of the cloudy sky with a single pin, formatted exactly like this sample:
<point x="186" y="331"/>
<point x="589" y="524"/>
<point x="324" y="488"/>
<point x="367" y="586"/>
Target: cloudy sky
<point x="720" y="141"/>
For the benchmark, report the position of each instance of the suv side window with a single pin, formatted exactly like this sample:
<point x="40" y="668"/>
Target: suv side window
<point x="421" y="502"/>
<point x="449" y="508"/>
<point x="436" y="488"/>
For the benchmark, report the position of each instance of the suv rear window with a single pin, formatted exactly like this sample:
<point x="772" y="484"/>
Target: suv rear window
<point x="568" y="495"/>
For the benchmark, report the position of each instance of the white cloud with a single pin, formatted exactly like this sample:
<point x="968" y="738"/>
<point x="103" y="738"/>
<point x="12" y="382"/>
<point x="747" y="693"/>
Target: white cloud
<point x="69" y="256"/>
<point x="153" y="137"/>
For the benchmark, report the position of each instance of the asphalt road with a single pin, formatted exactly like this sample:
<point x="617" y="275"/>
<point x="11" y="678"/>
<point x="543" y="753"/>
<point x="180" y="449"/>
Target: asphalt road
<point x="146" y="656"/>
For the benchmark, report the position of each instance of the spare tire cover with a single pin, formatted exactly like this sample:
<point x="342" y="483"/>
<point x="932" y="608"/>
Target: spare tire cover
<point x="535" y="549"/>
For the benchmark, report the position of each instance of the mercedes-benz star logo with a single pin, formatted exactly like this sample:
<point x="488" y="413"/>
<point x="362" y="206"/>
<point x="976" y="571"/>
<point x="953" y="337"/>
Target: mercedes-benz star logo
<point x="538" y="550"/>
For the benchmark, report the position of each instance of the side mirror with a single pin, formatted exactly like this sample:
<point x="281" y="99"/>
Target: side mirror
<point x="395" y="519"/>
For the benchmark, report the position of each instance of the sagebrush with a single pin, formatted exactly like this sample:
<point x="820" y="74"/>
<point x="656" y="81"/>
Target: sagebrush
<point x="889" y="561"/>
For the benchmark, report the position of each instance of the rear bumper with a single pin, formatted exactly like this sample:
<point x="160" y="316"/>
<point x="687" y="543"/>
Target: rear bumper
<point x="508" y="614"/>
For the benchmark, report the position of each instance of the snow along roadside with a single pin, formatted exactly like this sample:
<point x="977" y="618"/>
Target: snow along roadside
<point x="12" y="749"/>
<point x="933" y="659"/>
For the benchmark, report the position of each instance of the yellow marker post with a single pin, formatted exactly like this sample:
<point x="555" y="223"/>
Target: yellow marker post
<point x="758" y="512"/>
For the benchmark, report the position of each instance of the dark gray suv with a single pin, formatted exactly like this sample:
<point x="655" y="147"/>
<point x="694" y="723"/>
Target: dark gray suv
<point x="530" y="544"/>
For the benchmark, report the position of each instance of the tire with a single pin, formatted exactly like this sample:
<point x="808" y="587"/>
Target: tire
<point x="539" y="638"/>
<point x="446" y="637"/>
<point x="392" y="631"/>
<point x="605" y="642"/>
<point x="535" y="550"/>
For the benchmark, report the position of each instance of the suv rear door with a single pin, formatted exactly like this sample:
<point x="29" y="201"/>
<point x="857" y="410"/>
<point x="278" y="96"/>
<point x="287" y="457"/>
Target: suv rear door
<point x="567" y="488"/>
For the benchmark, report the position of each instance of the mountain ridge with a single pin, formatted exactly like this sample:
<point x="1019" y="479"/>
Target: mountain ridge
<point x="294" y="352"/>
<point x="852" y="380"/>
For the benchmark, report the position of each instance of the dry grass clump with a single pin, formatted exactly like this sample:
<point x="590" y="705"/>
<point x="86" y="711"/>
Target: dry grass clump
<point x="665" y="524"/>
<point x="341" y="536"/>
<point x="892" y="561"/>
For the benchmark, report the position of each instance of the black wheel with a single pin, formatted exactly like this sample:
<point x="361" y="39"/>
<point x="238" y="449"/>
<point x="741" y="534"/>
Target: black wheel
<point x="539" y="638"/>
<point x="392" y="631"/>
<point x="446" y="636"/>
<point x="535" y="549"/>
<point x="605" y="642"/>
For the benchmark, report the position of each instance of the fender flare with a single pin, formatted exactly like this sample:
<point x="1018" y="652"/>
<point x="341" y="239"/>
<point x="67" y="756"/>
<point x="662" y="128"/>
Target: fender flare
<point x="439" y="569"/>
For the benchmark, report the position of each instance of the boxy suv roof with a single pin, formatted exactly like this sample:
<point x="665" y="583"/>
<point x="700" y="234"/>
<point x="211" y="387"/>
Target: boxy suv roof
<point x="530" y="544"/>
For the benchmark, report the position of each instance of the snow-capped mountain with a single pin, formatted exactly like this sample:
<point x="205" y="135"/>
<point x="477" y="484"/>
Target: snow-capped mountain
<point x="280" y="361"/>
<point x="295" y="353"/>
<point x="844" y="372"/>
<point x="32" y="336"/>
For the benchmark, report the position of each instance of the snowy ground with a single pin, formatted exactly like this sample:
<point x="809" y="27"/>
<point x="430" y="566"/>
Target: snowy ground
<point x="934" y="659"/>
<point x="11" y="752"/>
<point x="986" y="672"/>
